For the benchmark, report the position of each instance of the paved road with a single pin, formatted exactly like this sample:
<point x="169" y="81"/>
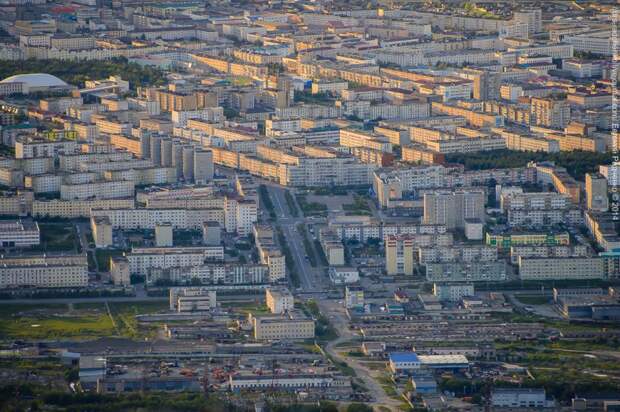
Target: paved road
<point x="315" y="279"/>
<point x="341" y="324"/>
<point x="311" y="278"/>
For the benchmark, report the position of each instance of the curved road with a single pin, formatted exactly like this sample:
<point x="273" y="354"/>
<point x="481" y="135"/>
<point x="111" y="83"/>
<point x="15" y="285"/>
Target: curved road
<point x="341" y="324"/>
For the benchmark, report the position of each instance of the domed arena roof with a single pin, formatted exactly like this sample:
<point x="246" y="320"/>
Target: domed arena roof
<point x="36" y="80"/>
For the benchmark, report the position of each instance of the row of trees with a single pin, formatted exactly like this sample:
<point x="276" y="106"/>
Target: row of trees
<point x="77" y="72"/>
<point x="577" y="162"/>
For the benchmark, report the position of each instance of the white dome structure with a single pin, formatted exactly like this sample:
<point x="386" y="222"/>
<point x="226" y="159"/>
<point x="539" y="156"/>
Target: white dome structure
<point x="35" y="82"/>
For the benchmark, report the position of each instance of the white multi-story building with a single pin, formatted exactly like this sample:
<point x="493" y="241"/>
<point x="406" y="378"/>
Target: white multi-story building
<point x="279" y="300"/>
<point x="562" y="268"/>
<point x="354" y="138"/>
<point x="456" y="253"/>
<point x="530" y="17"/>
<point x="241" y="214"/>
<point x="97" y="190"/>
<point x="544" y="251"/>
<point x="290" y="326"/>
<point x="519" y="398"/>
<point x="598" y="42"/>
<point x="453" y="292"/>
<point x="209" y="114"/>
<point x="44" y="183"/>
<point x="453" y="208"/>
<point x="44" y="272"/>
<point x="17" y="233"/>
<point x="189" y="299"/>
<point x="144" y="260"/>
<point x="147" y="218"/>
<point x="28" y="147"/>
<point x="76" y="208"/>
<point x="289" y="383"/>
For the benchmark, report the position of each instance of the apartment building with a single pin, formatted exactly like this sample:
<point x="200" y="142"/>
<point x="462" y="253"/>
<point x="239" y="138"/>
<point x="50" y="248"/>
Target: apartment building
<point x="562" y="268"/>
<point x="532" y="18"/>
<point x="390" y="184"/>
<point x="208" y="114"/>
<point x="279" y="300"/>
<point x="119" y="271"/>
<point x="18" y="204"/>
<point x="544" y="251"/>
<point x="214" y="273"/>
<point x="421" y="154"/>
<point x="332" y="247"/>
<point x="399" y="255"/>
<point x="29" y="146"/>
<point x="453" y="292"/>
<point x="43" y="183"/>
<point x="102" y="231"/>
<point x="527" y="143"/>
<point x="132" y="218"/>
<point x="474" y="118"/>
<point x="358" y="138"/>
<point x="72" y="209"/>
<point x="507" y="240"/>
<point x="114" y="189"/>
<point x="550" y="112"/>
<point x="452" y="209"/>
<point x="143" y="175"/>
<point x="143" y="261"/>
<point x="548" y="173"/>
<point x="132" y="144"/>
<point x="598" y="42"/>
<point x="96" y="160"/>
<point x="240" y="216"/>
<point x="537" y="218"/>
<point x="458" y="272"/>
<point x="597" y="197"/>
<point x="466" y="144"/>
<point x="534" y="200"/>
<point x="313" y="172"/>
<point x="455" y="253"/>
<point x="602" y="227"/>
<point x="363" y="228"/>
<point x="44" y="271"/>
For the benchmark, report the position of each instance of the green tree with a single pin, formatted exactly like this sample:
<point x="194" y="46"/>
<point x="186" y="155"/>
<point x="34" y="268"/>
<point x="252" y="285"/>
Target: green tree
<point x="359" y="407"/>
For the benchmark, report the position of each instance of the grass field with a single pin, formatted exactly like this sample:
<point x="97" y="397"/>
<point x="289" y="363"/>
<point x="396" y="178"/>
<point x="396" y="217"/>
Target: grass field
<point x="248" y="307"/>
<point x="78" y="321"/>
<point x="52" y="322"/>
<point x="57" y="236"/>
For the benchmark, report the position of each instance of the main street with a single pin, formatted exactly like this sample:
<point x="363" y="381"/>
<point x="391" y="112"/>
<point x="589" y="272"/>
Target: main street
<point x="311" y="278"/>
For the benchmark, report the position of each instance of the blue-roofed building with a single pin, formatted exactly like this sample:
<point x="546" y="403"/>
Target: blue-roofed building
<point x="424" y="384"/>
<point x="404" y="362"/>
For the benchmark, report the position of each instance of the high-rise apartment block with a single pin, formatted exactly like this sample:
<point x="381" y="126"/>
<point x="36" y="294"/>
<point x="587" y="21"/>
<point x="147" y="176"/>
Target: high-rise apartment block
<point x="452" y="209"/>
<point x="596" y="192"/>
